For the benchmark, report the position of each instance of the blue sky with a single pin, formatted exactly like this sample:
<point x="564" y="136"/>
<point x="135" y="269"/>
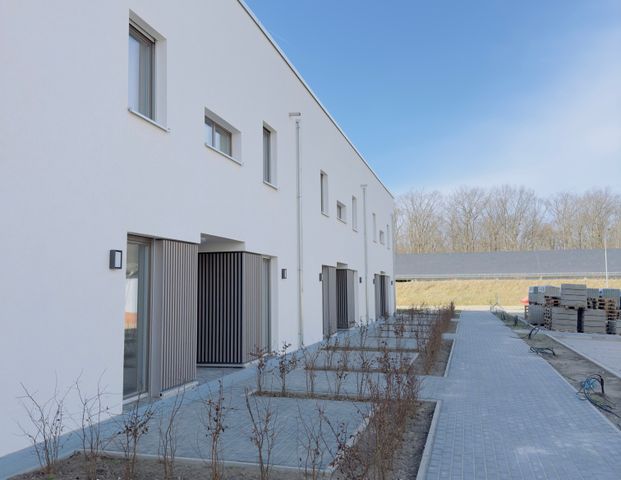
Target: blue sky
<point x="439" y="93"/>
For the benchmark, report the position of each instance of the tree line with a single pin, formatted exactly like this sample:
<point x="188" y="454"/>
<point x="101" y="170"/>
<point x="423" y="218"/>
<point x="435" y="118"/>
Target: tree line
<point x="506" y="218"/>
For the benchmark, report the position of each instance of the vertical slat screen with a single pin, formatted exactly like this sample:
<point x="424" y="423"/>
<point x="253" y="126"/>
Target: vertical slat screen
<point x="253" y="305"/>
<point x="178" y="314"/>
<point x="378" y="297"/>
<point x="342" y="304"/>
<point x="329" y="299"/>
<point x="231" y="310"/>
<point x="351" y="298"/>
<point x="219" y="308"/>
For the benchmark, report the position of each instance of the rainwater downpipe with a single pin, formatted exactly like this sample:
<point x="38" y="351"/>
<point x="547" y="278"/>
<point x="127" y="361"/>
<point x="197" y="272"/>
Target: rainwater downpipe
<point x="366" y="254"/>
<point x="300" y="232"/>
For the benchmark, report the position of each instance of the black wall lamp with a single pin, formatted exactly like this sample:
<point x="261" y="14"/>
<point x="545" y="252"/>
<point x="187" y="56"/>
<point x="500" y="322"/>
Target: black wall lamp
<point x="116" y="259"/>
<point x="283" y="273"/>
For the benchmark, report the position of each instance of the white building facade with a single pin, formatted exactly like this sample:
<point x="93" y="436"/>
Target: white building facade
<point x="172" y="194"/>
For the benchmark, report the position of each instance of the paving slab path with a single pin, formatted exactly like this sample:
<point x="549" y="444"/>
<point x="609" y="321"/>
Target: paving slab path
<point x="604" y="350"/>
<point x="507" y="414"/>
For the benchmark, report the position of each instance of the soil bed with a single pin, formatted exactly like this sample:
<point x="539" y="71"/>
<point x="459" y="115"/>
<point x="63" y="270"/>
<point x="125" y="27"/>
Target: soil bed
<point x="358" y="348"/>
<point x="110" y="468"/>
<point x="441" y="362"/>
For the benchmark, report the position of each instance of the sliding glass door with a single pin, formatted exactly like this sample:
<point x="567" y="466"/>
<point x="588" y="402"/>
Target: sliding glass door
<point x="137" y="289"/>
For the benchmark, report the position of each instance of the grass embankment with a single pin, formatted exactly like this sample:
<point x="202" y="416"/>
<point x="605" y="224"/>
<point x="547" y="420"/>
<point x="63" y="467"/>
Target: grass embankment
<point x="507" y="292"/>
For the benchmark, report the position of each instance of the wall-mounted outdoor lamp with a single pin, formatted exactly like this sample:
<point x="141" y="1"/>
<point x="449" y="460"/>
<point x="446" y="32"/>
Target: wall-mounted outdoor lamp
<point x="320" y="277"/>
<point x="359" y="279"/>
<point x="283" y="274"/>
<point x="373" y="280"/>
<point x="116" y="259"/>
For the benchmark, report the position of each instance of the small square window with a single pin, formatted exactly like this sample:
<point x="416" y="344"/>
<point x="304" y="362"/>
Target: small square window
<point x="218" y="137"/>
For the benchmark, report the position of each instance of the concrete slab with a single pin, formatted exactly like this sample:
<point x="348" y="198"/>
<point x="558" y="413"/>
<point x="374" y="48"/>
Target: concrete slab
<point x="603" y="350"/>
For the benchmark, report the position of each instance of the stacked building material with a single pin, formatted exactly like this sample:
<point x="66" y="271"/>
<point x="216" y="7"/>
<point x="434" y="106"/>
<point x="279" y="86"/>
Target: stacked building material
<point x="535" y="314"/>
<point x="573" y="295"/>
<point x="575" y="308"/>
<point x="594" y="321"/>
<point x="564" y="319"/>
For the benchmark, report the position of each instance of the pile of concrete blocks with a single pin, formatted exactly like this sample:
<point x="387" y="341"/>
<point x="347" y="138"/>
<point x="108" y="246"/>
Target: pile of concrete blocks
<point x="564" y="319"/>
<point x="594" y="321"/>
<point x="573" y="295"/>
<point x="575" y="308"/>
<point x="536" y="314"/>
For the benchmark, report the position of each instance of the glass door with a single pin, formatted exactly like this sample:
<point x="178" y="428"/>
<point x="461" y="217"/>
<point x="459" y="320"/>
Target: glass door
<point x="137" y="287"/>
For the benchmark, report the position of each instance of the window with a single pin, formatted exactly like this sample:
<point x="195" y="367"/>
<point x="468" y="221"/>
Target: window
<point x="374" y="228"/>
<point x="323" y="179"/>
<point x="388" y="236"/>
<point x="354" y="213"/>
<point x="140" y="72"/>
<point x="268" y="157"/>
<point x="382" y="237"/>
<point x="218" y="137"/>
<point x="341" y="212"/>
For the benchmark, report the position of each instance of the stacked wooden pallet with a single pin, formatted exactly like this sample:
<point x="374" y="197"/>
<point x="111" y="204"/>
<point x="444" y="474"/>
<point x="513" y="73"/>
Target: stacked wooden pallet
<point x="564" y="319"/>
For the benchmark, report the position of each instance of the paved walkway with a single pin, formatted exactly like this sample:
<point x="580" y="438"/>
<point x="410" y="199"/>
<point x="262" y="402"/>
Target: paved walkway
<point x="602" y="349"/>
<point x="507" y="414"/>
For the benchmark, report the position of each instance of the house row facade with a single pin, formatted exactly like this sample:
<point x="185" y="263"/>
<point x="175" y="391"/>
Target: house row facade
<point x="173" y="195"/>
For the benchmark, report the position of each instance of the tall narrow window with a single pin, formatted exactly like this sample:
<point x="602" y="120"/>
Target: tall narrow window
<point x="140" y="72"/>
<point x="382" y="237"/>
<point x="354" y="213"/>
<point x="267" y="156"/>
<point x="218" y="137"/>
<point x="388" y="236"/>
<point x="374" y="228"/>
<point x="341" y="212"/>
<point x="323" y="179"/>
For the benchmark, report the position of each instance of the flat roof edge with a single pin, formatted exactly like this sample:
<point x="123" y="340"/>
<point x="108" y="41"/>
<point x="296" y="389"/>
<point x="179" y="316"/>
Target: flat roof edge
<point x="309" y="90"/>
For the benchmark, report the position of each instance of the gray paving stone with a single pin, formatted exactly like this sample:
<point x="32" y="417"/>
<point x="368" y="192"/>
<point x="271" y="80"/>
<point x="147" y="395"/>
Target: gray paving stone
<point x="507" y="414"/>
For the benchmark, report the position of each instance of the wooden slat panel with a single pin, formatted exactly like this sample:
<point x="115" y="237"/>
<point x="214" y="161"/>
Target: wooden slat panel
<point x="178" y="313"/>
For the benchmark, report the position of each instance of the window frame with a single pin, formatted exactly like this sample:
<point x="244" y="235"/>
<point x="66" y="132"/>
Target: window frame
<point x="270" y="161"/>
<point x="354" y="213"/>
<point x="324" y="194"/>
<point x="143" y="38"/>
<point x="374" y="227"/>
<point x="214" y="130"/>
<point x="341" y="211"/>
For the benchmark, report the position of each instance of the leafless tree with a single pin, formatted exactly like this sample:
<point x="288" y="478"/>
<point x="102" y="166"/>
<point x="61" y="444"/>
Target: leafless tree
<point x="47" y="424"/>
<point x="213" y="416"/>
<point x="263" y="420"/>
<point x="135" y="424"/>
<point x="168" y="435"/>
<point x="90" y="431"/>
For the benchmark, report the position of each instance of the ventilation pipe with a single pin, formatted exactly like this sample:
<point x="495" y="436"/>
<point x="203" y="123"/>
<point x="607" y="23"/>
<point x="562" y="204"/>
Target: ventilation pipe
<point x="300" y="231"/>
<point x="366" y="254"/>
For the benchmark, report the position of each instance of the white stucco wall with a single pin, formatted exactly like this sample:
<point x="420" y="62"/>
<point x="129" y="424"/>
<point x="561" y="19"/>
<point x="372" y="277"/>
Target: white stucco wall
<point x="78" y="172"/>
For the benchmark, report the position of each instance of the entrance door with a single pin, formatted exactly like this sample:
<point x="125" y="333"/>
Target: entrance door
<point x="137" y="287"/>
